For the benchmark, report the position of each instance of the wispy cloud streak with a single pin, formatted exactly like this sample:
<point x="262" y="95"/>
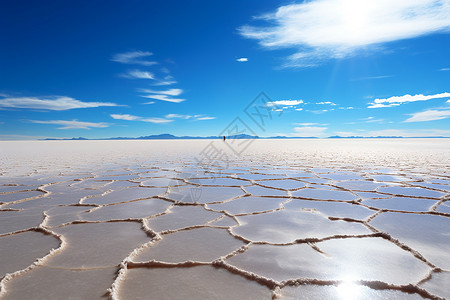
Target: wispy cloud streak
<point x="134" y="57"/>
<point x="73" y="124"/>
<point x="128" y="117"/>
<point x="49" y="103"/>
<point x="397" y="100"/>
<point x="428" y="115"/>
<point x="138" y="74"/>
<point x="163" y="95"/>
<point x="170" y="92"/>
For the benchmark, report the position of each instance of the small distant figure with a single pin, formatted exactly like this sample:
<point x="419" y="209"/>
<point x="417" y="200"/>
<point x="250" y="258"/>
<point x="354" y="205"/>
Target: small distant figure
<point x="224" y="138"/>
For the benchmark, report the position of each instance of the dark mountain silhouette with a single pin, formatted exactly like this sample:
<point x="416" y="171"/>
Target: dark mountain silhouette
<point x="167" y="136"/>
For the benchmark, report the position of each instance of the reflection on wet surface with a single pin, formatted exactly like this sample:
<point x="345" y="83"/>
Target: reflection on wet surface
<point x="249" y="205"/>
<point x="323" y="194"/>
<point x="287" y="226"/>
<point x="343" y="291"/>
<point x="102" y="244"/>
<point x="438" y="284"/>
<point x="335" y="259"/>
<point x="285" y="184"/>
<point x="331" y="208"/>
<point x="20" y="250"/>
<point x="269" y="224"/>
<point x="49" y="283"/>
<point x="205" y="244"/>
<point x="197" y="282"/>
<point x="427" y="234"/>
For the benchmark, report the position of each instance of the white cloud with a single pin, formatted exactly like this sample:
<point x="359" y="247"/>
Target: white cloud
<point x="156" y="120"/>
<point x="49" y="103"/>
<point x="429" y="115"/>
<point x="138" y="74"/>
<point x="134" y="57"/>
<point x="372" y="120"/>
<point x="165" y="82"/>
<point x="306" y="124"/>
<point x="397" y="100"/>
<point x="285" y="102"/>
<point x="309" y="131"/>
<point x="167" y="118"/>
<point x="74" y="124"/>
<point x="371" y="77"/>
<point x="379" y="105"/>
<point x="242" y="59"/>
<point x="445" y="69"/>
<point x="326" y="103"/>
<point x="205" y="118"/>
<point x="128" y="117"/>
<point x="322" y="29"/>
<point x="164" y="95"/>
<point x="375" y="121"/>
<point x="172" y="116"/>
<point x="321" y="111"/>
<point x="299" y="109"/>
<point x="163" y="98"/>
<point x="170" y="92"/>
<point x="124" y="117"/>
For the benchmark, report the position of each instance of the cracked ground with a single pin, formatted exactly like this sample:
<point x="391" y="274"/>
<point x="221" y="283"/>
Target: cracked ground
<point x="292" y="221"/>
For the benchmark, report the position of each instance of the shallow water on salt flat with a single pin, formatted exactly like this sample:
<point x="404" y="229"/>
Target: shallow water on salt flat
<point x="330" y="208"/>
<point x="202" y="282"/>
<point x="336" y="219"/>
<point x="438" y="284"/>
<point x="247" y="205"/>
<point x="20" y="250"/>
<point x="344" y="291"/>
<point x="341" y="259"/>
<point x="51" y="283"/>
<point x="428" y="234"/>
<point x="202" y="244"/>
<point x="287" y="226"/>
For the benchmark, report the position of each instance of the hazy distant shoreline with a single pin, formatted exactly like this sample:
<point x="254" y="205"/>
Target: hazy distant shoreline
<point x="240" y="136"/>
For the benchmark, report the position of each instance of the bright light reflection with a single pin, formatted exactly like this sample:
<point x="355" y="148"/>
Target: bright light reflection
<point x="349" y="290"/>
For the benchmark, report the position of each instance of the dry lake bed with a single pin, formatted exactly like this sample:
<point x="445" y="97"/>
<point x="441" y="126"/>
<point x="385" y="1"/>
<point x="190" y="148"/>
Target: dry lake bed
<point x="241" y="219"/>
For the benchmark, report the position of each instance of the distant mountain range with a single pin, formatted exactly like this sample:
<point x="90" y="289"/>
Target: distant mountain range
<point x="166" y="136"/>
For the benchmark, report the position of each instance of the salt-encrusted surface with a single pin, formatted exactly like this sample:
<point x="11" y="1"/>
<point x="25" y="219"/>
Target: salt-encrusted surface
<point x="347" y="219"/>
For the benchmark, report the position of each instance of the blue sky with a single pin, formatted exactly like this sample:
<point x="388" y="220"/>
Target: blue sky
<point x="333" y="67"/>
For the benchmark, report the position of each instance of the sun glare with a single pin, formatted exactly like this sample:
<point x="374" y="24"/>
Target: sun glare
<point x="348" y="290"/>
<point x="355" y="15"/>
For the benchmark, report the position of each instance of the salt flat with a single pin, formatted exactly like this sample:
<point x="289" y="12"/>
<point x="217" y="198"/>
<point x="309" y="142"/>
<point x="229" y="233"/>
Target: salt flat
<point x="244" y="219"/>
